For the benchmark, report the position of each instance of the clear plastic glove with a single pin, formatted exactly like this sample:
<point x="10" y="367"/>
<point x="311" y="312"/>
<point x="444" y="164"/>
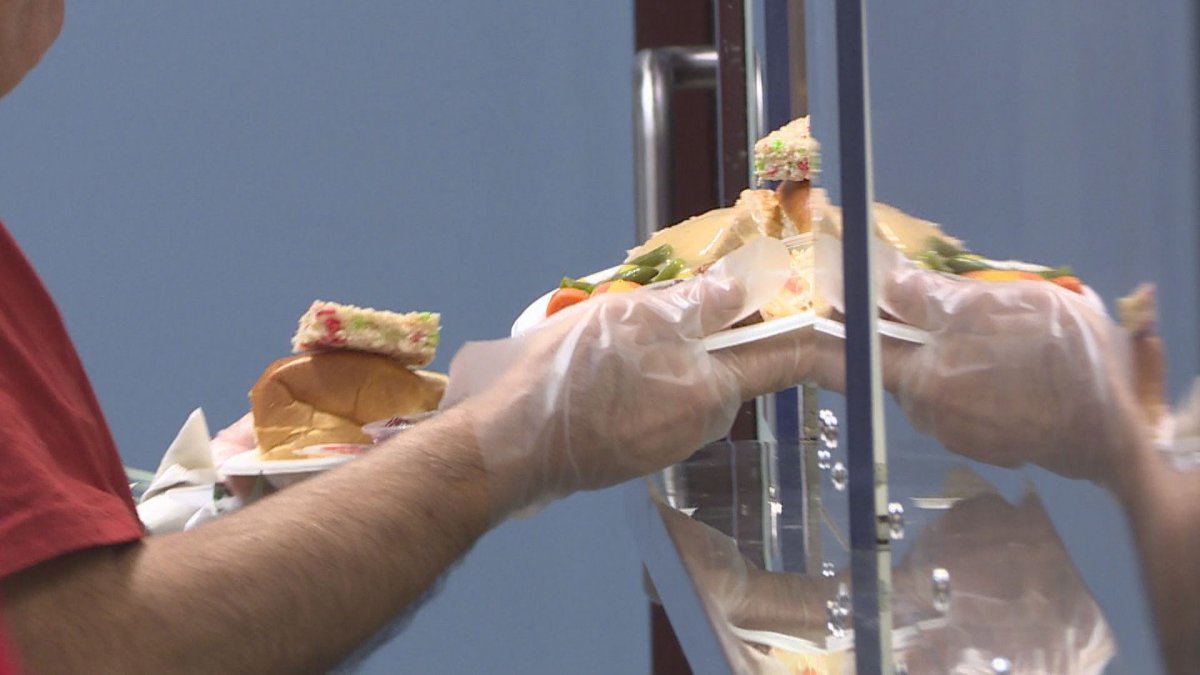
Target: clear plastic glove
<point x="621" y="385"/>
<point x="1016" y="372"/>
<point x="232" y="440"/>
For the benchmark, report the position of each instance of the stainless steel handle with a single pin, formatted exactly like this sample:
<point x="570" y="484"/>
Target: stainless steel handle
<point x="658" y="72"/>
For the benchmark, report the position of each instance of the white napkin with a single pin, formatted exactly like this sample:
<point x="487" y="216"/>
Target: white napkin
<point x="183" y="484"/>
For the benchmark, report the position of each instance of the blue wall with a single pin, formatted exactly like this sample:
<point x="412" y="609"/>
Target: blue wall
<point x="189" y="176"/>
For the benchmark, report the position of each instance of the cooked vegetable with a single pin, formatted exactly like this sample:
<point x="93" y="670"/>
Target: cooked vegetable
<point x="932" y="260"/>
<point x="653" y="258"/>
<point x="565" y="297"/>
<point x="640" y="275"/>
<point x="943" y="247"/>
<point x="617" y="286"/>
<point x="1070" y="283"/>
<point x="568" y="282"/>
<point x="1003" y="275"/>
<point x="966" y="262"/>
<point x="1057" y="272"/>
<point x="670" y="270"/>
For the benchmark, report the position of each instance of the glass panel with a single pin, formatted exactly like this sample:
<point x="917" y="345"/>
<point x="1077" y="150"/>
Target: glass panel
<point x="1053" y="136"/>
<point x="1016" y="128"/>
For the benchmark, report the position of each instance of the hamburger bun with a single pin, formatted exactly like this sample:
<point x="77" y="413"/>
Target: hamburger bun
<point x="327" y="396"/>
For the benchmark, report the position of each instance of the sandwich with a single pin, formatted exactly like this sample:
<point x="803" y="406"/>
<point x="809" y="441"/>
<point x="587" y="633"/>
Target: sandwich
<point x="352" y="366"/>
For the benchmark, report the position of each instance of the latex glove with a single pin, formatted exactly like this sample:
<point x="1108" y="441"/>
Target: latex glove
<point x="1016" y="372"/>
<point x="232" y="440"/>
<point x="621" y="385"/>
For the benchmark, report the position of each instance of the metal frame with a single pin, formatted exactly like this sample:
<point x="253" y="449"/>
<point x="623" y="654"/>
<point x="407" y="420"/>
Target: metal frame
<point x="657" y="73"/>
<point x="870" y="525"/>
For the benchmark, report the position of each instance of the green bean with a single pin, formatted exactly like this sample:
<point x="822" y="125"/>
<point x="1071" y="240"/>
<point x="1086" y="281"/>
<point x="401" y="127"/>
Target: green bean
<point x="580" y="284"/>
<point x="943" y="247"/>
<point x="653" y="258"/>
<point x="1057" y="272"/>
<point x="670" y="270"/>
<point x="641" y="275"/>
<point x="965" y="262"/>
<point x="933" y="261"/>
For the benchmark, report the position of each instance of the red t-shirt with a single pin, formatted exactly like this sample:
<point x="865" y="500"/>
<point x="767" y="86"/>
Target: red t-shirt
<point x="62" y="486"/>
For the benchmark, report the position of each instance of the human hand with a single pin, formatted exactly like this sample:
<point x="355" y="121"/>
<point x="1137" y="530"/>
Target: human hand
<point x="232" y="440"/>
<point x="1016" y="372"/>
<point x="621" y="385"/>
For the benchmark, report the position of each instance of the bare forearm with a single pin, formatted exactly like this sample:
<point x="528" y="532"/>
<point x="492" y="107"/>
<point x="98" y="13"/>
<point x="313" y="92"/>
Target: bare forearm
<point x="1163" y="505"/>
<point x="291" y="584"/>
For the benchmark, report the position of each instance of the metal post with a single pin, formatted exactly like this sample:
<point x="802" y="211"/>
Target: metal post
<point x="865" y="433"/>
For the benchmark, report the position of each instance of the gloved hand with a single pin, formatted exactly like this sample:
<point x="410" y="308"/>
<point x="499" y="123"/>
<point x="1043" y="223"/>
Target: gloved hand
<point x="621" y="385"/>
<point x="232" y="440"/>
<point x="1016" y="372"/>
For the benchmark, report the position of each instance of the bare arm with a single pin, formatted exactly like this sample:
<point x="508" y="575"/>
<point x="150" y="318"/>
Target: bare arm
<point x="1163" y="507"/>
<point x="297" y="580"/>
<point x="302" y="578"/>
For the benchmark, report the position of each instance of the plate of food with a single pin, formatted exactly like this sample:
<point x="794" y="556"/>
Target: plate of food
<point x="802" y="217"/>
<point x="351" y="367"/>
<point x="252" y="463"/>
<point x="741" y="334"/>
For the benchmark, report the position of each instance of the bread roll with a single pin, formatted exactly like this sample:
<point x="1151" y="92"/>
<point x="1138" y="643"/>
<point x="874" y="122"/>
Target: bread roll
<point x="326" y="397"/>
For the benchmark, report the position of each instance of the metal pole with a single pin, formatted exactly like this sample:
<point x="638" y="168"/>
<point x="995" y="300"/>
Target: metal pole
<point x="869" y="523"/>
<point x="657" y="73"/>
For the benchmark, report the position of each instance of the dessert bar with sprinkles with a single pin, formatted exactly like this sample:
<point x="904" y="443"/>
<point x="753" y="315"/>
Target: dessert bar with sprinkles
<point x="411" y="338"/>
<point x="788" y="153"/>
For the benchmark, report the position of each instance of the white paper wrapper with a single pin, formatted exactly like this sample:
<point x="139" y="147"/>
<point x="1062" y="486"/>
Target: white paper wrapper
<point x="183" y="483"/>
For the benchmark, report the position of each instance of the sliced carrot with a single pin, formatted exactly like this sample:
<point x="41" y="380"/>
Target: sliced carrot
<point x="563" y="298"/>
<point x="1070" y="283"/>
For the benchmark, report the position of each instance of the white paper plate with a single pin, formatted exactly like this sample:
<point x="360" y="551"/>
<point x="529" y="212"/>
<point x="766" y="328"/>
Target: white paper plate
<point x="535" y="313"/>
<point x="250" y="464"/>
